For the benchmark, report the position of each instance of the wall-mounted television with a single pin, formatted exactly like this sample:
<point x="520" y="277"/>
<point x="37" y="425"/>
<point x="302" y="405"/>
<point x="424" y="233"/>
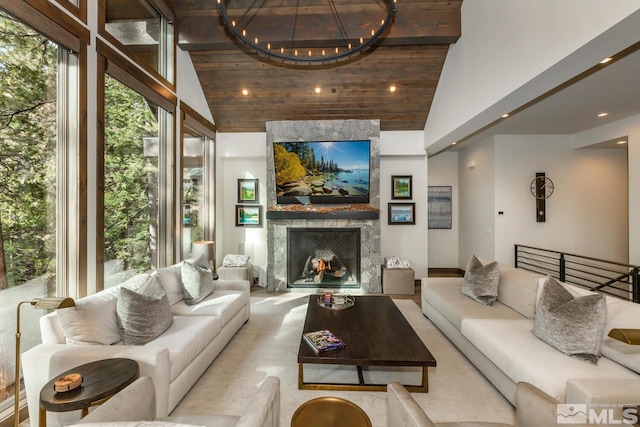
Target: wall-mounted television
<point x="322" y="171"/>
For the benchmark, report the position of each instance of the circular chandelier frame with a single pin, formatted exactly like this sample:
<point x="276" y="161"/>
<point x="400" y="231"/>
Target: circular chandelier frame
<point x="289" y="55"/>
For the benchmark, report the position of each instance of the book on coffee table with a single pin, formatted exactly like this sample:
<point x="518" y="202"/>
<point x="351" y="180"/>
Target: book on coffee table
<point x="322" y="340"/>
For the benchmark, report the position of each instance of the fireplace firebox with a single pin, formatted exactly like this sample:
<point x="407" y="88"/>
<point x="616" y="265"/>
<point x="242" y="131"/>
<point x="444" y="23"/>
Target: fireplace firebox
<point x="323" y="257"/>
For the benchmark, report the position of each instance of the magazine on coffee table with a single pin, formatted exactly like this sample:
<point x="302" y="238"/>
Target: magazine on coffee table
<point x="323" y="340"/>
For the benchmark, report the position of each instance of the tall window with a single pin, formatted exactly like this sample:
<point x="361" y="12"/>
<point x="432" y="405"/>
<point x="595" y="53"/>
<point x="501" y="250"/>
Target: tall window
<point x="38" y="130"/>
<point x="192" y="189"/>
<point x="131" y="185"/>
<point x="144" y="29"/>
<point x="198" y="180"/>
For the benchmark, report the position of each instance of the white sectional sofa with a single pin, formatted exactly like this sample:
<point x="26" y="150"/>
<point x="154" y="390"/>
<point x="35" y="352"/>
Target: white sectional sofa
<point x="498" y="340"/>
<point x="174" y="360"/>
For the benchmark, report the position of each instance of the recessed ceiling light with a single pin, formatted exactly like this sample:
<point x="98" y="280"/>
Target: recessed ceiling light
<point x="245" y="92"/>
<point x="318" y="90"/>
<point x="603" y="114"/>
<point x="605" y="60"/>
<point x="392" y="88"/>
<point x="504" y="116"/>
<point x="621" y="142"/>
<point x="453" y="143"/>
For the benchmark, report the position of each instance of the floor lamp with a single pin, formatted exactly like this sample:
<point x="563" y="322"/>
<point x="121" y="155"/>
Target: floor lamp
<point x="48" y="303"/>
<point x="206" y="248"/>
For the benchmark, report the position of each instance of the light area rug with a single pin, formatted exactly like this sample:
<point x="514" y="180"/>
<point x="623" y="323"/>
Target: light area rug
<point x="268" y="345"/>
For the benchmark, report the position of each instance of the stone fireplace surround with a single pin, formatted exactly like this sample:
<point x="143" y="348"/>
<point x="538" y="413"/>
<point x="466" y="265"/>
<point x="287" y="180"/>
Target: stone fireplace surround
<point x="368" y="223"/>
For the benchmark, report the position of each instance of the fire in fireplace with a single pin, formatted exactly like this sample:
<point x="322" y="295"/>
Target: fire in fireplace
<point x="323" y="257"/>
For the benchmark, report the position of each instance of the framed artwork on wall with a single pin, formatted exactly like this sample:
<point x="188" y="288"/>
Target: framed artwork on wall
<point x="402" y="213"/>
<point x="439" y="207"/>
<point x="248" y="216"/>
<point x="248" y="191"/>
<point x="401" y="187"/>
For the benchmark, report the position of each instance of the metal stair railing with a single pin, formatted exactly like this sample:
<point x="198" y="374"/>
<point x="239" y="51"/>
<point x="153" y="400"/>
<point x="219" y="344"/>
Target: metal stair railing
<point x="609" y="277"/>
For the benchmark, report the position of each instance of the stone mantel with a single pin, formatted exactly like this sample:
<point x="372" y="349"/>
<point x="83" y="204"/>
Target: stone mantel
<point x="367" y="218"/>
<point x="323" y="213"/>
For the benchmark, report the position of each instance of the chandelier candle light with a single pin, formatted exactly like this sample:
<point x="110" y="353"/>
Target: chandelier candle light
<point x="248" y="23"/>
<point x="48" y="303"/>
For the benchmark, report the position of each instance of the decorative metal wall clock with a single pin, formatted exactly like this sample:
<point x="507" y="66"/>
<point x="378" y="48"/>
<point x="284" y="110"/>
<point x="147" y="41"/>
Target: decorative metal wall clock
<point x="541" y="188"/>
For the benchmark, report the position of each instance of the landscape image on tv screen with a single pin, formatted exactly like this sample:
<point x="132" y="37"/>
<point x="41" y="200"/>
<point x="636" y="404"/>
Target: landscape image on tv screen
<point x="322" y="172"/>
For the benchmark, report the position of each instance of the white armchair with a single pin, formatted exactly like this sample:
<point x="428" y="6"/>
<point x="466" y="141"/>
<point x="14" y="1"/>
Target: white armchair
<point x="137" y="403"/>
<point x="534" y="409"/>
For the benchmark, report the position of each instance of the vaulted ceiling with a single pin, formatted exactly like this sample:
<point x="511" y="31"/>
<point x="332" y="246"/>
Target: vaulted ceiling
<point x="410" y="56"/>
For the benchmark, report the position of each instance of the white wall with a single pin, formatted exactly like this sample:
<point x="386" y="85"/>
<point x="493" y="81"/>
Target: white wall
<point x="629" y="128"/>
<point x="242" y="155"/>
<point x="443" y="244"/>
<point x="402" y="153"/>
<point x="587" y="213"/>
<point x="512" y="51"/>
<point x="476" y="195"/>
<point x="188" y="86"/>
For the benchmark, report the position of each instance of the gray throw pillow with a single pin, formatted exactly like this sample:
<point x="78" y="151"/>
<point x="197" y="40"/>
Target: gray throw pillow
<point x="197" y="281"/>
<point x="574" y="326"/>
<point x="481" y="281"/>
<point x="143" y="312"/>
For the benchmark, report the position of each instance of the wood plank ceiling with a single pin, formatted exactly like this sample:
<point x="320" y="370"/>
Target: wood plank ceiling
<point x="410" y="56"/>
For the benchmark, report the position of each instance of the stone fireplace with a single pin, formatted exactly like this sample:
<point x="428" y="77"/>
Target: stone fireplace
<point x="323" y="257"/>
<point x="359" y="256"/>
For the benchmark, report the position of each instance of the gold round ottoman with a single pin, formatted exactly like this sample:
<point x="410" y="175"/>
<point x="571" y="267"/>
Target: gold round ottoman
<point x="329" y="412"/>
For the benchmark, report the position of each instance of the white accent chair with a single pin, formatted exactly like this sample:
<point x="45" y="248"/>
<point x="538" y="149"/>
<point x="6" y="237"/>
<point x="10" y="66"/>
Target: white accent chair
<point x="534" y="409"/>
<point x="137" y="403"/>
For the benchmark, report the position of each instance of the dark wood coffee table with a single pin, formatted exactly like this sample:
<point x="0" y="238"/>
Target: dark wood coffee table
<point x="375" y="333"/>
<point x="100" y="380"/>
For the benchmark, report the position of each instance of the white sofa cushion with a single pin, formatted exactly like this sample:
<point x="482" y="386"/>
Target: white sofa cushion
<point x="92" y="321"/>
<point x="222" y="304"/>
<point x="171" y="280"/>
<point x="185" y="340"/>
<point x="623" y="353"/>
<point x="445" y="296"/>
<point x="573" y="325"/>
<point x="511" y="346"/>
<point x="518" y="288"/>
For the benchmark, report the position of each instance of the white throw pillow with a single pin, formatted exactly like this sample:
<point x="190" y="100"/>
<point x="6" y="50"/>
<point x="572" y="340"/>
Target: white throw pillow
<point x="197" y="281"/>
<point x="143" y="313"/>
<point x="396" y="262"/>
<point x="572" y="324"/>
<point x="92" y="321"/>
<point x="171" y="280"/>
<point x="235" y="260"/>
<point x="480" y="282"/>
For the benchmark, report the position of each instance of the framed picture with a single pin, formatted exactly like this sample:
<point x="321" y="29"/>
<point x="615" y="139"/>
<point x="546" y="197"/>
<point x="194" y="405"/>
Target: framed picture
<point x="439" y="207"/>
<point x="248" y="216"/>
<point x="248" y="191"/>
<point x="401" y="187"/>
<point x="402" y="213"/>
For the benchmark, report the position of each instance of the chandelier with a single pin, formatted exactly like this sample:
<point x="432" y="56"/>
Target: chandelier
<point x="311" y="34"/>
